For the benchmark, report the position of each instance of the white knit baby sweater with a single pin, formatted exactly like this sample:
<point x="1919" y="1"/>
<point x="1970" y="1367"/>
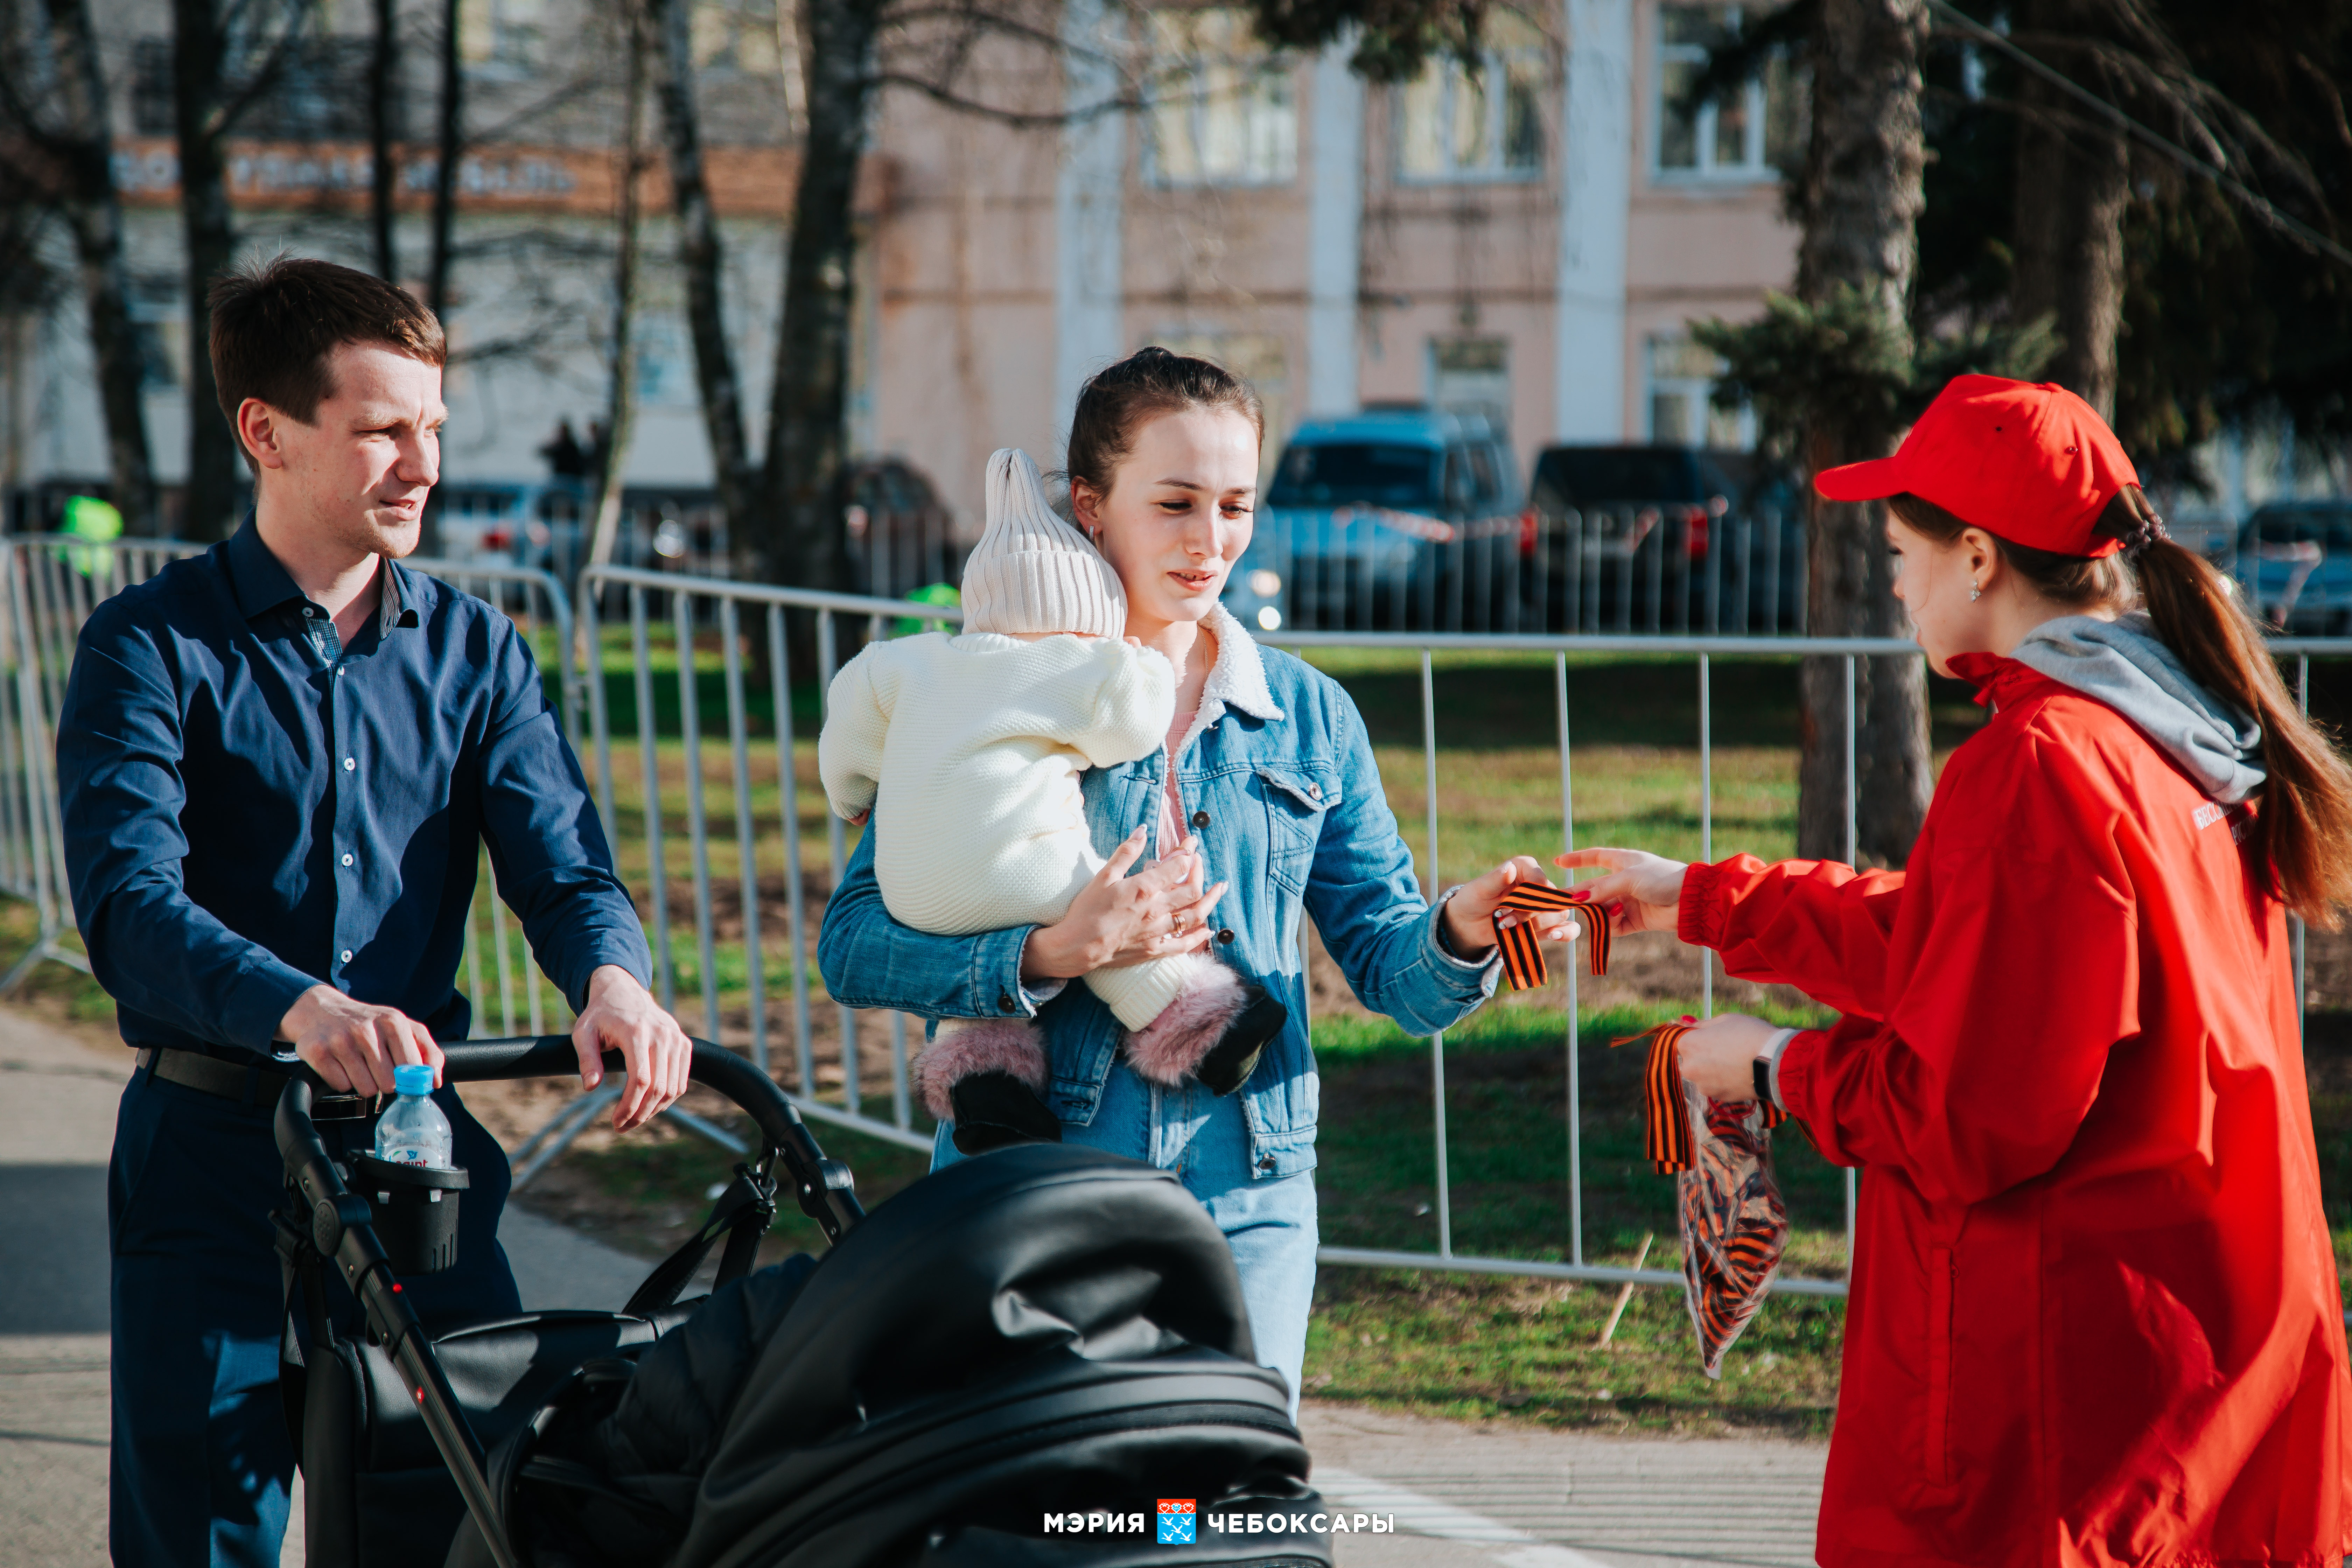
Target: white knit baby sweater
<point x="967" y="749"/>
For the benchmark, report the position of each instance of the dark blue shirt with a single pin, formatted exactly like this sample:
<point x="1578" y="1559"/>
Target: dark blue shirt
<point x="251" y="806"/>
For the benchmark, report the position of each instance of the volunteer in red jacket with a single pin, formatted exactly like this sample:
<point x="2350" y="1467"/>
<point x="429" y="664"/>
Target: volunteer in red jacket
<point x="2095" y="1314"/>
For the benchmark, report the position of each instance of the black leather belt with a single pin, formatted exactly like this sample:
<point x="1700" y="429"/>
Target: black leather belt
<point x="251" y="1084"/>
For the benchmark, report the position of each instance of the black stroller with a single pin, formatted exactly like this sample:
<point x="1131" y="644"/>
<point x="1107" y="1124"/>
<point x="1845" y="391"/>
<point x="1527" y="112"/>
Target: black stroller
<point x="1037" y="1357"/>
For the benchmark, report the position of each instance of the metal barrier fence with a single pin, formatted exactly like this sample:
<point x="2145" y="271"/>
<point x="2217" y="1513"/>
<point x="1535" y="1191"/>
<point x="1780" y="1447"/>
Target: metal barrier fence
<point x="53" y="583"/>
<point x="726" y="647"/>
<point x="685" y="852"/>
<point x="1664" y="568"/>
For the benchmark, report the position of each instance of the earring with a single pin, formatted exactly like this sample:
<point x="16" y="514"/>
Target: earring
<point x="1973" y="592"/>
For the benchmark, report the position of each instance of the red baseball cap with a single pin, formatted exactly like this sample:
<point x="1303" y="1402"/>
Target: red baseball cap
<point x="2032" y="463"/>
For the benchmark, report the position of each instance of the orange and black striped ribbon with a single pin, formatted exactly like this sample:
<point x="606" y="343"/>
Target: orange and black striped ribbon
<point x="1523" y="958"/>
<point x="1666" y="1137"/>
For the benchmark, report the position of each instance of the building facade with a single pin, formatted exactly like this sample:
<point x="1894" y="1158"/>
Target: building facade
<point x="1528" y="238"/>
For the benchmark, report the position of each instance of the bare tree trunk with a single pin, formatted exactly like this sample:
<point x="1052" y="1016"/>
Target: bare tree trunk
<point x="2074" y="181"/>
<point x="199" y="57"/>
<point x="805" y="427"/>
<point x="451" y="146"/>
<point x="95" y="215"/>
<point x="1862" y="199"/>
<point x="701" y="255"/>
<point x="621" y="403"/>
<point x="383" y="72"/>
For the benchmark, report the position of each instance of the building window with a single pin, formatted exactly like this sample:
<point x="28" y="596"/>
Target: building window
<point x="1755" y="132"/>
<point x="321" y="93"/>
<point x="1459" y="123"/>
<point x="1473" y="376"/>
<point x="1682" y="380"/>
<point x="1227" y="111"/>
<point x="504" y="36"/>
<point x="740" y="35"/>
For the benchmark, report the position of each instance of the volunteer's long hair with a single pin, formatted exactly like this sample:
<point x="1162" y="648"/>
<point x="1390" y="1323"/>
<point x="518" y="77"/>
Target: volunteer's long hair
<point x="2303" y="829"/>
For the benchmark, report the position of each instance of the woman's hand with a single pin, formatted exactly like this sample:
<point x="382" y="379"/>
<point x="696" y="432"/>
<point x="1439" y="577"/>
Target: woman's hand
<point x="1470" y="913"/>
<point x="1719" y="1055"/>
<point x="1645" y="889"/>
<point x="1119" y="920"/>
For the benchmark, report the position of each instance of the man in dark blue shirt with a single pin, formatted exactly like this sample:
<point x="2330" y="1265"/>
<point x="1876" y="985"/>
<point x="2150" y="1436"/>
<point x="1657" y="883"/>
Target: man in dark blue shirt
<point x="276" y="762"/>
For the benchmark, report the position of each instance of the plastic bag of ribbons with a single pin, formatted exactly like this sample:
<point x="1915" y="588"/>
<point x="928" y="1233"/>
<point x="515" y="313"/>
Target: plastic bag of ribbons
<point x="1734" y="1225"/>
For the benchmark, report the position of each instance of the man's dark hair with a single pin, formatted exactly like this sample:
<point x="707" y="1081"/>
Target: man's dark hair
<point x="276" y="323"/>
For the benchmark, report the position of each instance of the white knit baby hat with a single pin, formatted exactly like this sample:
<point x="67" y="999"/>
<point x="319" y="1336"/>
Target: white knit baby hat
<point x="1031" y="571"/>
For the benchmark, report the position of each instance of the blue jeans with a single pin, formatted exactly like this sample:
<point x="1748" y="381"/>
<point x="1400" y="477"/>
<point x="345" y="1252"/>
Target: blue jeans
<point x="202" y="1464"/>
<point x="1269" y="1224"/>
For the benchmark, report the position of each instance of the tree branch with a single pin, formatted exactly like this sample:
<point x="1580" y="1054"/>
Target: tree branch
<point x="1023" y="120"/>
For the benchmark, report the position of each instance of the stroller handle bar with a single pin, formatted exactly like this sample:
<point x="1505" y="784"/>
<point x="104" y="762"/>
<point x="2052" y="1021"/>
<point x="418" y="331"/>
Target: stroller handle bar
<point x="341" y="1227"/>
<point x="824" y="1187"/>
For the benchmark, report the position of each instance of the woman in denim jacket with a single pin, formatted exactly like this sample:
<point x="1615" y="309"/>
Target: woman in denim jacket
<point x="1280" y="814"/>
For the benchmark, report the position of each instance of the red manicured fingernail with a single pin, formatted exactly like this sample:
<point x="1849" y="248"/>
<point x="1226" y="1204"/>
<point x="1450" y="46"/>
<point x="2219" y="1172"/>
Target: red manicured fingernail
<point x="1688" y="1019"/>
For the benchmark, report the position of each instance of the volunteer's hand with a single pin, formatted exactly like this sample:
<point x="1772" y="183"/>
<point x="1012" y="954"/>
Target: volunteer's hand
<point x="1119" y="920"/>
<point x="355" y="1045"/>
<point x="1719" y="1055"/>
<point x="621" y="1015"/>
<point x="1470" y="913"/>
<point x="1646" y="889"/>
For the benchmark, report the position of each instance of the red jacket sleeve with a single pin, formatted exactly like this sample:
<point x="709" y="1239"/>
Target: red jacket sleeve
<point x="2025" y="976"/>
<point x="1814" y="924"/>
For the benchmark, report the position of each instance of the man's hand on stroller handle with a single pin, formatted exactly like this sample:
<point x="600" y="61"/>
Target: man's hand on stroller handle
<point x="1119" y="920"/>
<point x="621" y="1015"/>
<point x="1645" y="889"/>
<point x="354" y="1045"/>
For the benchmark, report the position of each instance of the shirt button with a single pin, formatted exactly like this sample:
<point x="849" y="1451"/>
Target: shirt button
<point x="1314" y="791"/>
<point x="347" y="956"/>
<point x="350" y="762"/>
<point x="347" y="859"/>
<point x="1226" y="934"/>
<point x="1200" y="819"/>
<point x="1004" y="1004"/>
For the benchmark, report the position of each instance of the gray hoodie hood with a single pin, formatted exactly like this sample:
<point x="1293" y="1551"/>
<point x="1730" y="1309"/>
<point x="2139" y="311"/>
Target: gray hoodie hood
<point x="2122" y="663"/>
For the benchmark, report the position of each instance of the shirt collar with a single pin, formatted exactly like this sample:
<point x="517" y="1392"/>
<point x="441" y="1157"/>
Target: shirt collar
<point x="255" y="575"/>
<point x="261" y="582"/>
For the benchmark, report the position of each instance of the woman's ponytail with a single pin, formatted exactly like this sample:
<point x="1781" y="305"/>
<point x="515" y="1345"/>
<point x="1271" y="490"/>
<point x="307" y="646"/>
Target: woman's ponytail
<point x="2302" y="825"/>
<point x="2302" y="832"/>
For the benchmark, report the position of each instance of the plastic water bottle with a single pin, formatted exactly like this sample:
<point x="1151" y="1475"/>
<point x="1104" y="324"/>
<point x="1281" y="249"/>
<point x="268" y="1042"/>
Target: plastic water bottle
<point x="412" y="1131"/>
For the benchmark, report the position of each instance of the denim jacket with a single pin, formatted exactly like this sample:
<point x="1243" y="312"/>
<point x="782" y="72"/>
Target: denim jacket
<point x="1279" y="786"/>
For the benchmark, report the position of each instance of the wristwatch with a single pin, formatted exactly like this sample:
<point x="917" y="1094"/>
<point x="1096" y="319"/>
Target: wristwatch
<point x="1768" y="1062"/>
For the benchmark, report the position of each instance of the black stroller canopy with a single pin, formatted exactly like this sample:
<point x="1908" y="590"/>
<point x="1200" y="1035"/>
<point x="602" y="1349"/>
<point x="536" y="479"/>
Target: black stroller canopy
<point x="1041" y="1329"/>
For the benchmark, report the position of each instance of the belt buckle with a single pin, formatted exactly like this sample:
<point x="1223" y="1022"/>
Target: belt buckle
<point x="343" y="1107"/>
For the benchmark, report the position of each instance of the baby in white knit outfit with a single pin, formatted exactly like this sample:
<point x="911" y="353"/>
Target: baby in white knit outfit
<point x="968" y="748"/>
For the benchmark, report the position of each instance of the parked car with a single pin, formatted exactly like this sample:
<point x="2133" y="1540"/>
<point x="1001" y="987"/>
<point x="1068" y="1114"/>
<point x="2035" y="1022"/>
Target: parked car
<point x="2294" y="558"/>
<point x="1664" y="538"/>
<point x="1383" y="520"/>
<point x="901" y="537"/>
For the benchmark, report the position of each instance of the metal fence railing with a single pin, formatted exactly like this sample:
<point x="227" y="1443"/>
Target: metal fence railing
<point x="678" y="691"/>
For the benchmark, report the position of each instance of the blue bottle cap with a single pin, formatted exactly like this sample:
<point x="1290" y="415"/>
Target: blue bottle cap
<point x="414" y="1078"/>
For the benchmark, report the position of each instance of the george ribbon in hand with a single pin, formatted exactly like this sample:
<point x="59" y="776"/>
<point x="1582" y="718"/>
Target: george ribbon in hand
<point x="1523" y="958"/>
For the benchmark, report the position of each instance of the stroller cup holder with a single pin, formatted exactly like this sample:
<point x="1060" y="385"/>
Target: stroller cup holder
<point x="415" y="1211"/>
